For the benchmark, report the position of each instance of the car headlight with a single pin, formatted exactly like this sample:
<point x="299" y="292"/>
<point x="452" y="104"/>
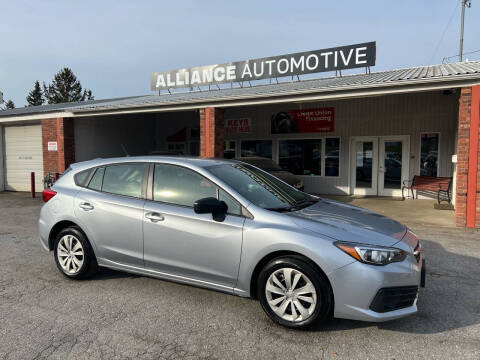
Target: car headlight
<point x="370" y="254"/>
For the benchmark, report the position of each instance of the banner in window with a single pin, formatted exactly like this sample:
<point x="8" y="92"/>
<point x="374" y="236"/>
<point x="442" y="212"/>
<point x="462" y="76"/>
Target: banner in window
<point x="304" y="121"/>
<point x="238" y="126"/>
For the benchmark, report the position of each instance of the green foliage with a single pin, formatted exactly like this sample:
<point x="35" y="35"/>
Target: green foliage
<point x="65" y="88"/>
<point x="35" y="97"/>
<point x="9" y="104"/>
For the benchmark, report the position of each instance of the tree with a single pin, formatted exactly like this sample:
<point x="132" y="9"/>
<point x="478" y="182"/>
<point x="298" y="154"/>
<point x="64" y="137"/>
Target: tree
<point x="87" y="95"/>
<point x="9" y="104"/>
<point x="65" y="88"/>
<point x="35" y="97"/>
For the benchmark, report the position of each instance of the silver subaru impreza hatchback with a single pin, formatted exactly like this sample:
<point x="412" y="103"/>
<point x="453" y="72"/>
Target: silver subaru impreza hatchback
<point x="229" y="226"/>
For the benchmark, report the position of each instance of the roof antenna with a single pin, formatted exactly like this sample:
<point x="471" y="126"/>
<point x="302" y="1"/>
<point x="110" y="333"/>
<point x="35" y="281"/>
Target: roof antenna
<point x="124" y="150"/>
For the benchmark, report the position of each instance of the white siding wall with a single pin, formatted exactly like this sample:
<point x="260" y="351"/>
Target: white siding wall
<point x="405" y="114"/>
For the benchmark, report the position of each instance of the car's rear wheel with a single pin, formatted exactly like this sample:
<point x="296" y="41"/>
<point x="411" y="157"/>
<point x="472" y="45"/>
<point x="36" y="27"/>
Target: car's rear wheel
<point x="74" y="255"/>
<point x="293" y="293"/>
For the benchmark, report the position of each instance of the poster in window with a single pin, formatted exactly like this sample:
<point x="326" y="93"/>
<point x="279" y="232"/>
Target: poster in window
<point x="303" y="121"/>
<point x="238" y="126"/>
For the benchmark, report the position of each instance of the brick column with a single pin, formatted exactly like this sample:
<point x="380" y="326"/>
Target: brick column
<point x="211" y="132"/>
<point x="467" y="204"/>
<point x="60" y="130"/>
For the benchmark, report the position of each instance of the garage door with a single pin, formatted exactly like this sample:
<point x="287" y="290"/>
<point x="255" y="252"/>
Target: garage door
<point x="23" y="154"/>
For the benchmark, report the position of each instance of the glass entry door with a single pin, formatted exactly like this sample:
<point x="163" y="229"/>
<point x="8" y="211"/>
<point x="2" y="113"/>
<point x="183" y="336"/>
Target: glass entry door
<point x="393" y="164"/>
<point x="365" y="166"/>
<point x="379" y="165"/>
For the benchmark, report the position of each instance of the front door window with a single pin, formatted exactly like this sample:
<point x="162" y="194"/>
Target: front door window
<point x="392" y="164"/>
<point x="379" y="165"/>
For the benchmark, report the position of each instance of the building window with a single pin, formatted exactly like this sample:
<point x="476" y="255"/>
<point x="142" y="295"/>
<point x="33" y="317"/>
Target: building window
<point x="429" y="154"/>
<point x="301" y="157"/>
<point x="229" y="149"/>
<point x="332" y="157"/>
<point x="260" y="148"/>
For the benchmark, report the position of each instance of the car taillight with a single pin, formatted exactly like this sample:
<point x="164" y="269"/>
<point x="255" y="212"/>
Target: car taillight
<point x="47" y="194"/>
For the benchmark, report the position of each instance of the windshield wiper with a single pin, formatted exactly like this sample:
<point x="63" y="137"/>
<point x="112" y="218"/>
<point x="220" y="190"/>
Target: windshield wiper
<point x="303" y="204"/>
<point x="281" y="209"/>
<point x="296" y="206"/>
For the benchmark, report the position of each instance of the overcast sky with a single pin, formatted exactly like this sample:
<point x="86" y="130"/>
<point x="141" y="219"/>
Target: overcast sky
<point x="113" y="45"/>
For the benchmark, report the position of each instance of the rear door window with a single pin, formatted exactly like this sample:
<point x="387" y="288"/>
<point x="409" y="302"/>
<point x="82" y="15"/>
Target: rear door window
<point x="124" y="179"/>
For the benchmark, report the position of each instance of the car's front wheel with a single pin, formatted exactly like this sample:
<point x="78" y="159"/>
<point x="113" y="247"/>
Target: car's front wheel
<point x="74" y="255"/>
<point x="293" y="293"/>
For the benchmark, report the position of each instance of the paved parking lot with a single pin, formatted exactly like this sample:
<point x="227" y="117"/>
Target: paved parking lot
<point x="117" y="315"/>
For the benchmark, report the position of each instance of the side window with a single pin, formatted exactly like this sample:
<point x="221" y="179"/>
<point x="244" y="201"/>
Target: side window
<point x="124" y="179"/>
<point x="234" y="207"/>
<point x="81" y="177"/>
<point x="96" y="181"/>
<point x="177" y="185"/>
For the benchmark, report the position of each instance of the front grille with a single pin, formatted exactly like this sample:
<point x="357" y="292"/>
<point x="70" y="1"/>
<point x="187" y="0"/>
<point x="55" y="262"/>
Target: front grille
<point x="394" y="298"/>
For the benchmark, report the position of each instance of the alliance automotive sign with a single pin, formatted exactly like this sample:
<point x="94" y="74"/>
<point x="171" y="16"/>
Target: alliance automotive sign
<point x="338" y="58"/>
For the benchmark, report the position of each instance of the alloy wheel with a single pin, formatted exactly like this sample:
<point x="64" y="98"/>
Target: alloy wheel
<point x="70" y="254"/>
<point x="291" y="294"/>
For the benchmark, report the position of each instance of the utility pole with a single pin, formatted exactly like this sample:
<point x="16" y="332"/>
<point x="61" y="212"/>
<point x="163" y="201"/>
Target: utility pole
<point x="465" y="3"/>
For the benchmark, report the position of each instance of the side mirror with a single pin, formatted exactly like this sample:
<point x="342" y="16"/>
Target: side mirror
<point x="210" y="205"/>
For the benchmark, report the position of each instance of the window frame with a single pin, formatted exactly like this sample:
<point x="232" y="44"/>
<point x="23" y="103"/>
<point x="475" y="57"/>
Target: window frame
<point x="144" y="179"/>
<point x="239" y="150"/>
<point x="323" y="163"/>
<point x="420" y="150"/>
<point x="150" y="184"/>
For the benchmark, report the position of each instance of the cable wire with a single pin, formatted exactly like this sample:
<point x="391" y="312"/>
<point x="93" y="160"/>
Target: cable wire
<point x="445" y="30"/>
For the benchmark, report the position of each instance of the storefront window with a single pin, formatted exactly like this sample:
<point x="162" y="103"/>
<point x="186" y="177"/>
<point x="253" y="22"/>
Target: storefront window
<point x="301" y="157"/>
<point x="260" y="148"/>
<point x="229" y="149"/>
<point x="429" y="154"/>
<point x="332" y="157"/>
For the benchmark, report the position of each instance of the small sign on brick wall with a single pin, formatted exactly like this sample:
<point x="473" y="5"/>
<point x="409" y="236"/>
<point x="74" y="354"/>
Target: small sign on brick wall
<point x="52" y="146"/>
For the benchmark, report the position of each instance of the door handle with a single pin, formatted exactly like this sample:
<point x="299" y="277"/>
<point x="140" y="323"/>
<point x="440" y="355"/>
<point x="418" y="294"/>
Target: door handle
<point x="86" y="206"/>
<point x="154" y="217"/>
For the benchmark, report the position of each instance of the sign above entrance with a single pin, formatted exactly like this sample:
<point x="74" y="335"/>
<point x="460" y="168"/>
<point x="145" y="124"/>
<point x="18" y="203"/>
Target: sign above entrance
<point x="309" y="62"/>
<point x="304" y="121"/>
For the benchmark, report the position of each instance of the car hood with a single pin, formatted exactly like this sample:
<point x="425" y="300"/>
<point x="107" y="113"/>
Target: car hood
<point x="349" y="223"/>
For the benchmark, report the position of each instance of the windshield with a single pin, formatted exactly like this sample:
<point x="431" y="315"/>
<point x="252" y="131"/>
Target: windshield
<point x="261" y="188"/>
<point x="262" y="163"/>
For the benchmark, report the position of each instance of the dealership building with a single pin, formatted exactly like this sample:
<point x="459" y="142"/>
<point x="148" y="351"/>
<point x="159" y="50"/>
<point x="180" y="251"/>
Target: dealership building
<point x="362" y="134"/>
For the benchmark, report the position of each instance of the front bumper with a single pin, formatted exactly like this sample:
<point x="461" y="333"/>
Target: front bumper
<point x="357" y="285"/>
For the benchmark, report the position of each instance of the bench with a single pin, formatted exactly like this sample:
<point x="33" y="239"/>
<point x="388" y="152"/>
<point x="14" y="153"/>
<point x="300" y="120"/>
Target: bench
<point x="440" y="185"/>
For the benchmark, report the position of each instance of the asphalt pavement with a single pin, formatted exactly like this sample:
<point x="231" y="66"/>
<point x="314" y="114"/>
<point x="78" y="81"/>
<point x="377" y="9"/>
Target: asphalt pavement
<point x="120" y="316"/>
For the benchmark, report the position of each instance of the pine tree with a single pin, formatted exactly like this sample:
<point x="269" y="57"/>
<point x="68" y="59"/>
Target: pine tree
<point x="65" y="88"/>
<point x="35" y="97"/>
<point x="87" y="95"/>
<point x="9" y="105"/>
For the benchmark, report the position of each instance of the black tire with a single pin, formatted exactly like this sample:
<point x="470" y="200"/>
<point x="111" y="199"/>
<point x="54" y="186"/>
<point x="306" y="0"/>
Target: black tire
<point x="89" y="266"/>
<point x="324" y="299"/>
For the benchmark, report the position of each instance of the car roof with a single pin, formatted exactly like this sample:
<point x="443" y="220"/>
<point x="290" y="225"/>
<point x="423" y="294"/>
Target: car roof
<point x="174" y="159"/>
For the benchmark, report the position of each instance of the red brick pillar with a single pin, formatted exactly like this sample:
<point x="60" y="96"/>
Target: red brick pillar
<point x="211" y="132"/>
<point x="61" y="131"/>
<point x="467" y="203"/>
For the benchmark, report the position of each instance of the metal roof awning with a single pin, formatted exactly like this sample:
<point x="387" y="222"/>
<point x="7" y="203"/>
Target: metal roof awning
<point x="415" y="79"/>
